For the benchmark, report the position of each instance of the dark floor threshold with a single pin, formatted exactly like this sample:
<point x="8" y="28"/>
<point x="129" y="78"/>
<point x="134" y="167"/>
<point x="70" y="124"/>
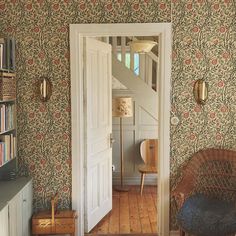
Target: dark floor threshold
<point x="133" y="234"/>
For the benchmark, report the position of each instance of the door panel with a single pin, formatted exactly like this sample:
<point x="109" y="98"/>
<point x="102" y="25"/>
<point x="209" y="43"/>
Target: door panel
<point x="27" y="208"/>
<point x="15" y="215"/>
<point x="98" y="156"/>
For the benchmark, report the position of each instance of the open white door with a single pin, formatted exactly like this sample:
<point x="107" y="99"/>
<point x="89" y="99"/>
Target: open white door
<point x="98" y="128"/>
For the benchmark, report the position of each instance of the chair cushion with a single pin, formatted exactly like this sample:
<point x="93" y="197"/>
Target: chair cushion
<point x="204" y="216"/>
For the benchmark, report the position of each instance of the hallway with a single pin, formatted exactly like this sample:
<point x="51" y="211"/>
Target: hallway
<point x="131" y="213"/>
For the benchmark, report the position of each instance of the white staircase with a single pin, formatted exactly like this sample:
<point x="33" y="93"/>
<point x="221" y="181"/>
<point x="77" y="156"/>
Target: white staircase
<point x="143" y="93"/>
<point x="145" y="66"/>
<point x="137" y="72"/>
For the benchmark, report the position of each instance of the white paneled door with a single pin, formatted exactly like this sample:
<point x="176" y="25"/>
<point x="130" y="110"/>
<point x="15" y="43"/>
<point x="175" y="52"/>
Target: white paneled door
<point x="98" y="152"/>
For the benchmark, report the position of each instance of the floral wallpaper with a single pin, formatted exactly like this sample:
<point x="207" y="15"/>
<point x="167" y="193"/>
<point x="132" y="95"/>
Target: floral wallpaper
<point x="41" y="29"/>
<point x="204" y="36"/>
<point x="204" y="47"/>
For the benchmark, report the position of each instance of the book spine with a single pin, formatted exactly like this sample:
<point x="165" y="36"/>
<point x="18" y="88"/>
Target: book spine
<point x="8" y="146"/>
<point x="14" y="146"/>
<point x="3" y="111"/>
<point x="11" y="146"/>
<point x="8" y="45"/>
<point x="10" y="117"/>
<point x="1" y="55"/>
<point x="6" y="118"/>
<point x="12" y="54"/>
<point x="1" y="157"/>
<point x="4" y="59"/>
<point x="4" y="153"/>
<point x="2" y="124"/>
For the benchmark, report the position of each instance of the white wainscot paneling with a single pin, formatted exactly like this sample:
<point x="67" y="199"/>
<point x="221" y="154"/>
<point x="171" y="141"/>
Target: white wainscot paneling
<point x="135" y="129"/>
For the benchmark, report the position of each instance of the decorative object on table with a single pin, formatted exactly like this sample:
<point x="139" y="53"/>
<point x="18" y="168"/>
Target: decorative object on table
<point x="200" y="91"/>
<point x="141" y="46"/>
<point x="205" y="197"/>
<point x="54" y="221"/>
<point x="9" y="175"/>
<point x="122" y="107"/>
<point x="148" y="152"/>
<point x="45" y="89"/>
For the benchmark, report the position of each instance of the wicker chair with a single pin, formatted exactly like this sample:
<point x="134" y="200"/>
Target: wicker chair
<point x="206" y="195"/>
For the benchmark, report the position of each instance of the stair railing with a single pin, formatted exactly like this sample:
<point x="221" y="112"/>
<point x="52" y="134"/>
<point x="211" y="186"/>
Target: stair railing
<point x="145" y="66"/>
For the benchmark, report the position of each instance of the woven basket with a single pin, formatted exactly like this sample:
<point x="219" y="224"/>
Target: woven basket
<point x="7" y="88"/>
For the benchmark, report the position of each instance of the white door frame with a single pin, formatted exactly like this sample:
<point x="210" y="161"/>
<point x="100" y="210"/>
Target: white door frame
<point x="77" y="32"/>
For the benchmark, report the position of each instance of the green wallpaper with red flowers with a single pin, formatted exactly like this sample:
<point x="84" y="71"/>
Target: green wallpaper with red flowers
<point x="204" y="47"/>
<point x="204" y="36"/>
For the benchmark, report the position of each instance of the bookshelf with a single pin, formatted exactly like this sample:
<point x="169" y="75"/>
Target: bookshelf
<point x="7" y="117"/>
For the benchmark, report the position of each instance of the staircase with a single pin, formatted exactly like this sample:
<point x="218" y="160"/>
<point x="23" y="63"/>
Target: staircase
<point x="145" y="66"/>
<point x="137" y="72"/>
<point x="143" y="93"/>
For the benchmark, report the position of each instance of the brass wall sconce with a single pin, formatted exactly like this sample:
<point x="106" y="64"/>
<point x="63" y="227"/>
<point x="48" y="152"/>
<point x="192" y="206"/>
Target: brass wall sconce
<point x="200" y="91"/>
<point x="45" y="89"/>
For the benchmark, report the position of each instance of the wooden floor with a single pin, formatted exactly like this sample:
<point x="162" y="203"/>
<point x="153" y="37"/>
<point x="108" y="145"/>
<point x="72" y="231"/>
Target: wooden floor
<point x="131" y="213"/>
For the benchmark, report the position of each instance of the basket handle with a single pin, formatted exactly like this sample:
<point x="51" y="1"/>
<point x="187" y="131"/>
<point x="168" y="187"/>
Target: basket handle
<point x="54" y="204"/>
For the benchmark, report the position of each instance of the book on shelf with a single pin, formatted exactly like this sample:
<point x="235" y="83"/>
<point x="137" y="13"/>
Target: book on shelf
<point x="7" y="148"/>
<point x="12" y="58"/>
<point x="7" y="88"/>
<point x="7" y="117"/>
<point x="1" y="55"/>
<point x="1" y="159"/>
<point x="7" y="53"/>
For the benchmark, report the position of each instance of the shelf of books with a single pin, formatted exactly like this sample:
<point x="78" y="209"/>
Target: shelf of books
<point x="7" y="148"/>
<point x="8" y="132"/>
<point x="7" y="117"/>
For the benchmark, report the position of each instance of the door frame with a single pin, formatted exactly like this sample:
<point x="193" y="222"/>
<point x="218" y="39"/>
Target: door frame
<point x="77" y="33"/>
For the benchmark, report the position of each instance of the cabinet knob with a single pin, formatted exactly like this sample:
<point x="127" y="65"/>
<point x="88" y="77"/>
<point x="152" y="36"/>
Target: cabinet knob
<point x="24" y="200"/>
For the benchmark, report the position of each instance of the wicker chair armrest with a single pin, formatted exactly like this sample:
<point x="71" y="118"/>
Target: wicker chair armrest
<point x="179" y="199"/>
<point x="190" y="172"/>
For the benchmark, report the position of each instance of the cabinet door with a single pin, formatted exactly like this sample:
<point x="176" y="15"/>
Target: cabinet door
<point x="27" y="208"/>
<point x="4" y="222"/>
<point x="15" y="215"/>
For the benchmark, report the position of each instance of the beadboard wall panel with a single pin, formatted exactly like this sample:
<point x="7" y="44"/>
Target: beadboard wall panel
<point x="135" y="129"/>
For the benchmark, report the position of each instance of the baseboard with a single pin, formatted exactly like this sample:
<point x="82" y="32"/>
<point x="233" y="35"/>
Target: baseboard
<point x="174" y="233"/>
<point x="134" y="180"/>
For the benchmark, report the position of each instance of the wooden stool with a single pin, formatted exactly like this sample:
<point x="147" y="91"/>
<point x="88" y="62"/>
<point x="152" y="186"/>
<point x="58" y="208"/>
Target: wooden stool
<point x="54" y="222"/>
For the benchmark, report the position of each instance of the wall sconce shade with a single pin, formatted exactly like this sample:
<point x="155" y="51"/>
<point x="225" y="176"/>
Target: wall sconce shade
<point x="45" y="89"/>
<point x="200" y="91"/>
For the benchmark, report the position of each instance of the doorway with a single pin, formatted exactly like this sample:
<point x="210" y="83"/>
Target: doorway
<point x="77" y="34"/>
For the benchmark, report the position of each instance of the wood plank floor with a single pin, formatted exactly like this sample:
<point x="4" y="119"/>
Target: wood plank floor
<point x="131" y="213"/>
